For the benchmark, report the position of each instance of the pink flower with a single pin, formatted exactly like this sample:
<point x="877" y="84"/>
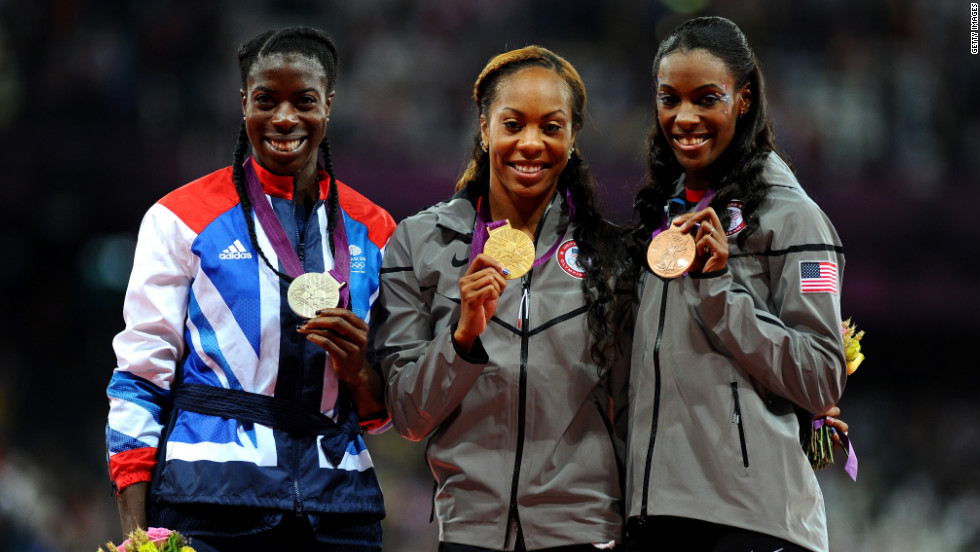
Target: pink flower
<point x="156" y="535"/>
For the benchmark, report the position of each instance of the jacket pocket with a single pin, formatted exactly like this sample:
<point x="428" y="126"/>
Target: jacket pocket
<point x="737" y="419"/>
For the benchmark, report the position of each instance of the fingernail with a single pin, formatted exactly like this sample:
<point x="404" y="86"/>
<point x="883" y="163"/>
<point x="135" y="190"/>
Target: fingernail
<point x="505" y="271"/>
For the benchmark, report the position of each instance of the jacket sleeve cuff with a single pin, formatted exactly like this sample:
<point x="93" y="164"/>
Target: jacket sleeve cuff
<point x="132" y="466"/>
<point x="477" y="354"/>
<point x="375" y="427"/>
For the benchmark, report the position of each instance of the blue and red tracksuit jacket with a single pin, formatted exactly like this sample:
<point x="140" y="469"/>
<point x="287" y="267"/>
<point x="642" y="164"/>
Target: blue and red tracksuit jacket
<point x="202" y="307"/>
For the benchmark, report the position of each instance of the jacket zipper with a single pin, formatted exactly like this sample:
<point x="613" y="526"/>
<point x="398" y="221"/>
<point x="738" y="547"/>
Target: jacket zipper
<point x="737" y="419"/>
<point x="512" y="516"/>
<point x="301" y="254"/>
<point x="299" y="212"/>
<point x="298" y="506"/>
<point x="656" y="402"/>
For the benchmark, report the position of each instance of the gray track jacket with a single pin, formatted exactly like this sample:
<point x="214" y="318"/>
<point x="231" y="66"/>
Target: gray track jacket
<point x="716" y="362"/>
<point x="520" y="428"/>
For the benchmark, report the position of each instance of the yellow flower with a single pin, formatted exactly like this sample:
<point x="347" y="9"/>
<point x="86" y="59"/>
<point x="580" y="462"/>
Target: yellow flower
<point x="852" y="345"/>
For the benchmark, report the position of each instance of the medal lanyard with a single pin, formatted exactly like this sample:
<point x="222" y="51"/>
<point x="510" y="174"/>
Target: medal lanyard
<point x="280" y="243"/>
<point x="665" y="222"/>
<point x="481" y="229"/>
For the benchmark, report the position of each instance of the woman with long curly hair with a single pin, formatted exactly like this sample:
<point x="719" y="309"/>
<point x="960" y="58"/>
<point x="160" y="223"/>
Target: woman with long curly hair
<point x="738" y="338"/>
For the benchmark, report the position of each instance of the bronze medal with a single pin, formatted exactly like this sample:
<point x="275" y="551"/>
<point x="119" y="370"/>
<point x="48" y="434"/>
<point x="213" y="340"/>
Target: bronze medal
<point x="311" y="292"/>
<point x="671" y="253"/>
<point x="511" y="248"/>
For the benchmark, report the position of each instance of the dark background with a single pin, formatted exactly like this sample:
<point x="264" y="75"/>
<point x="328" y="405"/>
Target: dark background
<point x="106" y="106"/>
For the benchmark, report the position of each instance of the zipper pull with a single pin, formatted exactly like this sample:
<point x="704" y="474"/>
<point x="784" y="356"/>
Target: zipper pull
<point x="525" y="309"/>
<point x="736" y="412"/>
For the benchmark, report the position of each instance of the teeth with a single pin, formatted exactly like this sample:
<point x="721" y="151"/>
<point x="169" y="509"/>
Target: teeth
<point x="691" y="140"/>
<point x="528" y="168"/>
<point x="285" y="147"/>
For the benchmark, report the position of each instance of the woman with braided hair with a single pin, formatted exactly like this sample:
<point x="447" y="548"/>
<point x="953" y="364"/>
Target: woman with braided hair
<point x="493" y="327"/>
<point x="241" y="390"/>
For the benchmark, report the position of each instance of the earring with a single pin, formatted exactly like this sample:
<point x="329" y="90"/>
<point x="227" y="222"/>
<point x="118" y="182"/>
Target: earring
<point x="483" y="145"/>
<point x="570" y="152"/>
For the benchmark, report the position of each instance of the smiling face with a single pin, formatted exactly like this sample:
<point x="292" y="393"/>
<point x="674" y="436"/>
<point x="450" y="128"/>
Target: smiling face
<point x="286" y="104"/>
<point x="528" y="133"/>
<point x="697" y="109"/>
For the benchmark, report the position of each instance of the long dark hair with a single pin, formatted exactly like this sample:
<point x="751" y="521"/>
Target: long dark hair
<point x="737" y="173"/>
<point x="307" y="42"/>
<point x="594" y="235"/>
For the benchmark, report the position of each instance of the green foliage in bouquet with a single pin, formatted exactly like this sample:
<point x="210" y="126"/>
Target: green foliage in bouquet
<point x="154" y="539"/>
<point x="818" y="443"/>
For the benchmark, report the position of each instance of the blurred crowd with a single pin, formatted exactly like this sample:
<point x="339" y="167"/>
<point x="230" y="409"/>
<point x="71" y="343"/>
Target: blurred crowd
<point x="106" y="106"/>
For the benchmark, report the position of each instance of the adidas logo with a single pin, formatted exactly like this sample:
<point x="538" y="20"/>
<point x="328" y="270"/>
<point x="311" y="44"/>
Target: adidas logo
<point x="235" y="251"/>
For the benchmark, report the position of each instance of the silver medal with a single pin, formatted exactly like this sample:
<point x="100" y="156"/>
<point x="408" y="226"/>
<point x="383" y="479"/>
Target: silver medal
<point x="311" y="292"/>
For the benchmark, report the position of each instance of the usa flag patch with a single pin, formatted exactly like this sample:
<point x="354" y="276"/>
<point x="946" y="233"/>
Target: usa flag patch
<point x="818" y="276"/>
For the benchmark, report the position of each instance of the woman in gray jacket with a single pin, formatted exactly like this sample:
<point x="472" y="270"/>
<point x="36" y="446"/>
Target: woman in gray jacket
<point x="512" y="378"/>
<point x="726" y="355"/>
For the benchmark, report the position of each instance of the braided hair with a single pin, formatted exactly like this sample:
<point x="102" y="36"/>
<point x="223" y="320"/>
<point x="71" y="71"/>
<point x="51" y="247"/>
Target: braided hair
<point x="737" y="173"/>
<point x="307" y="42"/>
<point x="594" y="235"/>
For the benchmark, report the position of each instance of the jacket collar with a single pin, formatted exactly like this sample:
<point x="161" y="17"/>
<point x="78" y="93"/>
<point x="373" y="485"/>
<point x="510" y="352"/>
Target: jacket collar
<point x="461" y="217"/>
<point x="282" y="186"/>
<point x="776" y="172"/>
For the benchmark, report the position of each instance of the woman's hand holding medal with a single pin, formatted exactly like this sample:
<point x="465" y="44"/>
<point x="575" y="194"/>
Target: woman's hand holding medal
<point x="344" y="336"/>
<point x="315" y="295"/>
<point x="710" y="243"/>
<point x="479" y="289"/>
<point x="675" y="251"/>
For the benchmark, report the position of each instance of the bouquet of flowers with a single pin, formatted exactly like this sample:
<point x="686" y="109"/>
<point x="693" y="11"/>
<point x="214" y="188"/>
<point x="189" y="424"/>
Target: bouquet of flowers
<point x="154" y="539"/>
<point x="820" y="448"/>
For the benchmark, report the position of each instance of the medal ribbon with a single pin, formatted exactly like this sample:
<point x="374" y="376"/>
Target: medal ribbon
<point x="280" y="243"/>
<point x="481" y="229"/>
<point x="701" y="205"/>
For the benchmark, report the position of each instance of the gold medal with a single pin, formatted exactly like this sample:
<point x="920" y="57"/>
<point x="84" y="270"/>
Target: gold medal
<point x="511" y="248"/>
<point x="671" y="253"/>
<point x="311" y="292"/>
